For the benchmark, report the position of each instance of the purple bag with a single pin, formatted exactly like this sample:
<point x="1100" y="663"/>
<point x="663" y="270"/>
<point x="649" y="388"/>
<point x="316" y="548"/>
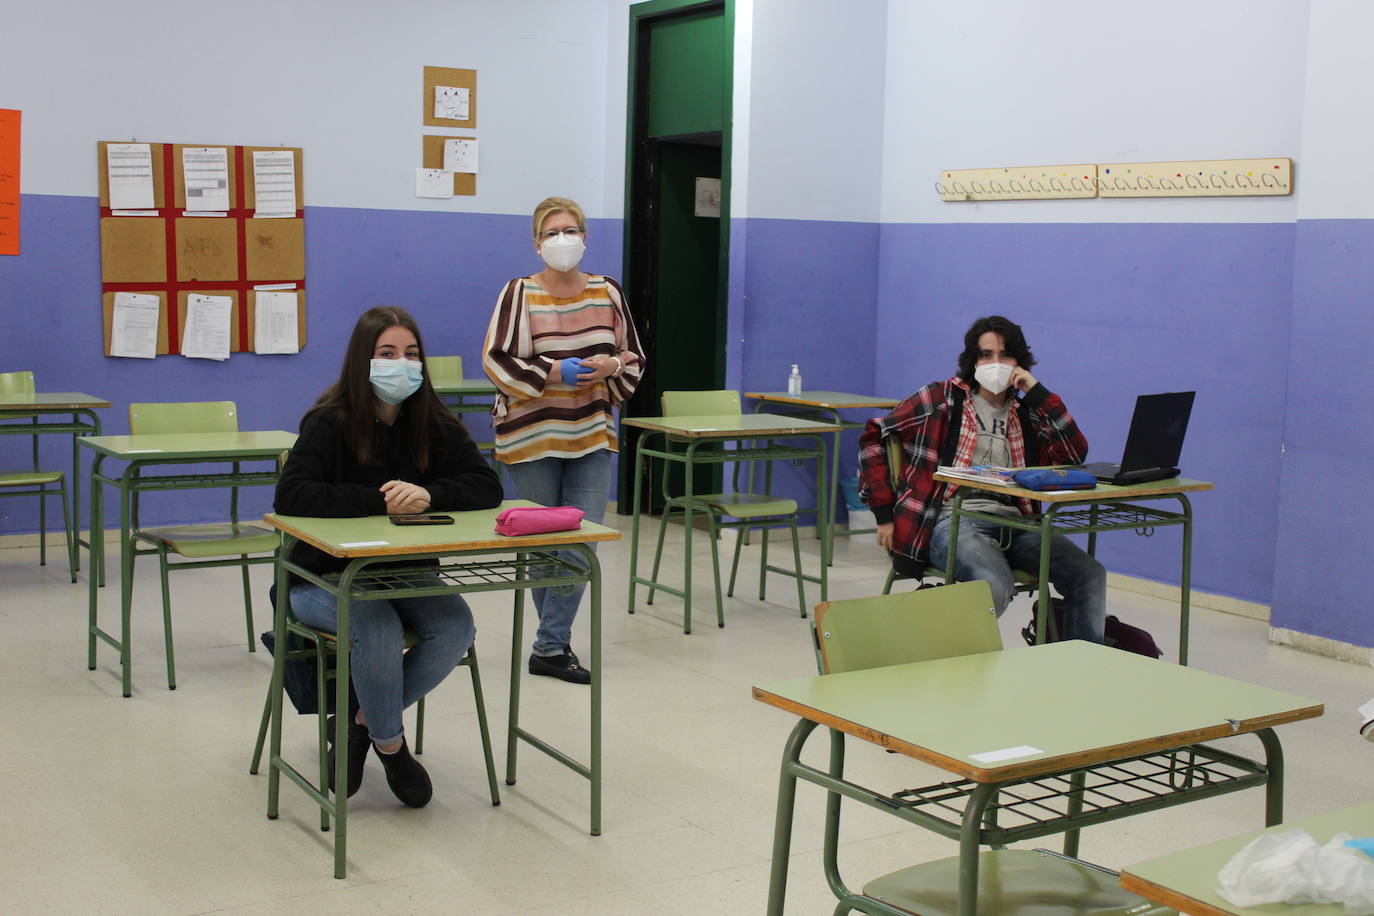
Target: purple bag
<point x="1116" y="634"/>
<point x="521" y="520"/>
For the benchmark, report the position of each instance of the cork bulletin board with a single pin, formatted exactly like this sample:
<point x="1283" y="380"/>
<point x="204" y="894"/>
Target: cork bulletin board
<point x="167" y="253"/>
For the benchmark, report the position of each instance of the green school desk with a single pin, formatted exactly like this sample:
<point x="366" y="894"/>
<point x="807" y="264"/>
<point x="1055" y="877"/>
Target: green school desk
<point x="1187" y="880"/>
<point x="167" y="451"/>
<point x="1040" y="740"/>
<point x="83" y="422"/>
<point x="471" y="395"/>
<point x="1106" y="508"/>
<point x="692" y="433"/>
<point x="826" y="406"/>
<point x="473" y="558"/>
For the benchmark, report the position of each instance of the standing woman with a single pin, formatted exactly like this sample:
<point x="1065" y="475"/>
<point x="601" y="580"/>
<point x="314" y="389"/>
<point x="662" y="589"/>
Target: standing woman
<point x="380" y="442"/>
<point x="563" y="351"/>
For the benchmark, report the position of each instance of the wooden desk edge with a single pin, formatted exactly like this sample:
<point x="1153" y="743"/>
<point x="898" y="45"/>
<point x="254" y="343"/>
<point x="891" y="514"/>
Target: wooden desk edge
<point x="497" y="542"/>
<point x="780" y="431"/>
<point x="1169" y="897"/>
<point x="834" y="405"/>
<point x="1159" y="488"/>
<point x="59" y="406"/>
<point x="1040" y="766"/>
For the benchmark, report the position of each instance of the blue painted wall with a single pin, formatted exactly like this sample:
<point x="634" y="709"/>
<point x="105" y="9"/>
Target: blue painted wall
<point x="1112" y="311"/>
<point x="445" y="268"/>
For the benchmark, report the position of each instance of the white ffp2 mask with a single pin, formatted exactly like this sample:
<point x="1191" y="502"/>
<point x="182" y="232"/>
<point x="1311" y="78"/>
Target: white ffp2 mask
<point x="562" y="253"/>
<point x="993" y="377"/>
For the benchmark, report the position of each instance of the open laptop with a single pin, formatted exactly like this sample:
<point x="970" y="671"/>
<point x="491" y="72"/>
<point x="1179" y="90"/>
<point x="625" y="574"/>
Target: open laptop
<point x="1154" y="442"/>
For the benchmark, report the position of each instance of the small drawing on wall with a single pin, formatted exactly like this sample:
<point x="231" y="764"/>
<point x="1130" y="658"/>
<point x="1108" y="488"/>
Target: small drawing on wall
<point x="451" y="102"/>
<point x="708" y="197"/>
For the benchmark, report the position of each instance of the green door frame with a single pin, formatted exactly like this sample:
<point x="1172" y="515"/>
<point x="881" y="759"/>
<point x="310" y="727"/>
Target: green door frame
<point x="641" y="16"/>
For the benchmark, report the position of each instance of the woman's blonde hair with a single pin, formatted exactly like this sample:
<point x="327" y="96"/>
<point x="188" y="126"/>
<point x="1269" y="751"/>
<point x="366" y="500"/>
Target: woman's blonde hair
<point x="551" y="205"/>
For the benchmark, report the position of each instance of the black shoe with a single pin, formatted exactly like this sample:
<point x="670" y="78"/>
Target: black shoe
<point x="408" y="780"/>
<point x="358" y="745"/>
<point x="565" y="667"/>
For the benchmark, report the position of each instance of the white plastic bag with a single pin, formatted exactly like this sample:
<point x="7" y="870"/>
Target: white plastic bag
<point x="1290" y="867"/>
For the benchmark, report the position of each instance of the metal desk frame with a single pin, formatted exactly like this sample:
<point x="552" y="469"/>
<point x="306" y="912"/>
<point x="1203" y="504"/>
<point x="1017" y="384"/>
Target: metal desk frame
<point x="84" y="422"/>
<point x="486" y="565"/>
<point x="1079" y="783"/>
<point x="824" y="406"/>
<point x="1107" y="508"/>
<point x="696" y="432"/>
<point x="139" y="452"/>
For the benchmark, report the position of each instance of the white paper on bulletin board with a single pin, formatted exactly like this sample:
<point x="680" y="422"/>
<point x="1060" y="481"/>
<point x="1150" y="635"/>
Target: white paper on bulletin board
<point x="1027" y="182"/>
<point x="1197" y="178"/>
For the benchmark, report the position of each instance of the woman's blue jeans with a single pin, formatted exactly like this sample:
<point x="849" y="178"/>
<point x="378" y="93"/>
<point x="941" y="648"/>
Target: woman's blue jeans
<point x="387" y="678"/>
<point x="582" y="482"/>
<point x="1073" y="571"/>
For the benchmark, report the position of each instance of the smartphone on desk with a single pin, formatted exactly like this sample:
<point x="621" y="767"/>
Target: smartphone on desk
<point x="422" y="519"/>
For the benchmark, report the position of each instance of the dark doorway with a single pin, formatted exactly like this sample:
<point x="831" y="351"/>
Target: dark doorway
<point x="676" y="253"/>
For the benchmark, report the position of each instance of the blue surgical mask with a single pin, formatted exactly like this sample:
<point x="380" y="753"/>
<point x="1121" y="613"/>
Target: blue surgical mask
<point x="394" y="380"/>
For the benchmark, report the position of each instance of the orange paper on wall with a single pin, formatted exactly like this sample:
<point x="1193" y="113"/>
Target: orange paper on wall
<point x="9" y="181"/>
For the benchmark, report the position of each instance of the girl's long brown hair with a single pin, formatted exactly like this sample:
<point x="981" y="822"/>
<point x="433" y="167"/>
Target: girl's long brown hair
<point x="422" y="414"/>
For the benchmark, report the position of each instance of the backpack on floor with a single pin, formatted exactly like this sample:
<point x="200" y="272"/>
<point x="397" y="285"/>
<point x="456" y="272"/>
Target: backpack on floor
<point x="1115" y="634"/>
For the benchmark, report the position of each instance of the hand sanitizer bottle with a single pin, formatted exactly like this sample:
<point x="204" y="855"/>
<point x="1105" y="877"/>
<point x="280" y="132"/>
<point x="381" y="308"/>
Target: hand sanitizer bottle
<point x="794" y="381"/>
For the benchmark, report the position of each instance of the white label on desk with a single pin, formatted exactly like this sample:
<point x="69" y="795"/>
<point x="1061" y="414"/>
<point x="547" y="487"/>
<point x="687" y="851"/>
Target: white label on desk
<point x="1006" y="753"/>
<point x="366" y="544"/>
<point x="141" y="451"/>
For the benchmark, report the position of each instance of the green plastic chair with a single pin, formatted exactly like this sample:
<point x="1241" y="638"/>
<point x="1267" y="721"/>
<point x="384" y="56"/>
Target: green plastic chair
<point x="34" y="481"/>
<point x="943" y="622"/>
<point x="444" y="370"/>
<point x="918" y="626"/>
<point x="744" y="509"/>
<point x="323" y="645"/>
<point x="448" y="370"/>
<point x="1025" y="582"/>
<point x="203" y="546"/>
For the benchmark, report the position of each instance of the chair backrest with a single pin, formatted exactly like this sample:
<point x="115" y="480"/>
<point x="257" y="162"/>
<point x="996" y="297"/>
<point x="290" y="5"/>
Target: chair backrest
<point x="16" y="382"/>
<point x="720" y="403"/>
<point x="444" y="370"/>
<point x="184" y="417"/>
<point x="915" y="626"/>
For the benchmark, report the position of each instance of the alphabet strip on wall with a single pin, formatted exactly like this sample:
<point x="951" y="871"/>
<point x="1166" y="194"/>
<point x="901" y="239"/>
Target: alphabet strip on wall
<point x="1190" y="178"/>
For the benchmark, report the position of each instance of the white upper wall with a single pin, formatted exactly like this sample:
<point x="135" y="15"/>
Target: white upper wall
<point x="340" y="78"/>
<point x="815" y="109"/>
<point x="1337" y="132"/>
<point x="1003" y="82"/>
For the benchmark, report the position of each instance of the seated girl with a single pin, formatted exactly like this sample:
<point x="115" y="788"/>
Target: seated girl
<point x="379" y="441"/>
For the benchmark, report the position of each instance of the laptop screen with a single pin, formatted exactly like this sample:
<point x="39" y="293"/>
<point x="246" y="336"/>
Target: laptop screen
<point x="1157" y="429"/>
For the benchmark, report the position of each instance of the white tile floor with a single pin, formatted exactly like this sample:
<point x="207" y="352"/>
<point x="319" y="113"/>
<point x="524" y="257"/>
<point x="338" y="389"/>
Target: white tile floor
<point x="145" y="805"/>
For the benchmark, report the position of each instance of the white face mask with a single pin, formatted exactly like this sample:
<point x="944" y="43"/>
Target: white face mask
<point x="993" y="377"/>
<point x="562" y="253"/>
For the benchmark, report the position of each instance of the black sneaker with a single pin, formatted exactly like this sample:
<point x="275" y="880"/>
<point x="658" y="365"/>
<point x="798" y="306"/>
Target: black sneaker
<point x="358" y="744"/>
<point x="565" y="667"/>
<point x="408" y="780"/>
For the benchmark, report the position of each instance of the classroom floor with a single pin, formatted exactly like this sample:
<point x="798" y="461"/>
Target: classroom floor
<point x="145" y="805"/>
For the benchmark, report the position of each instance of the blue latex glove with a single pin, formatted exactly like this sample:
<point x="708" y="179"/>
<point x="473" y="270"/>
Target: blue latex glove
<point x="1363" y="844"/>
<point x="572" y="369"/>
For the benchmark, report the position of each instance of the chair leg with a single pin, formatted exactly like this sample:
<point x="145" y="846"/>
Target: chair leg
<point x="658" y="551"/>
<point x="796" y="558"/>
<point x="420" y="726"/>
<point x="67" y="525"/>
<point x="262" y="732"/>
<point x="743" y="535"/>
<point x="887" y="585"/>
<point x="167" y="617"/>
<point x="322" y="726"/>
<point x="43" y="526"/>
<point x="247" y="603"/>
<point x="764" y="533"/>
<point x="715" y="565"/>
<point x="471" y="662"/>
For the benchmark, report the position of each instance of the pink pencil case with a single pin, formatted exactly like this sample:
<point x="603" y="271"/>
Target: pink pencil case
<point x="521" y="520"/>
